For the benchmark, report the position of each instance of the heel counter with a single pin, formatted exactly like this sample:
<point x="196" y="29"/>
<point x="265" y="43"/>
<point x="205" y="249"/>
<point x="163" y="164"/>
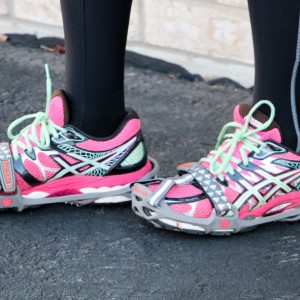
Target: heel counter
<point x="135" y="159"/>
<point x="137" y="155"/>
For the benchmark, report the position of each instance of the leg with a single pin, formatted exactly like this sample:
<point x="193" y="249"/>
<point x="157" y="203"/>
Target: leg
<point x="275" y="35"/>
<point x="95" y="36"/>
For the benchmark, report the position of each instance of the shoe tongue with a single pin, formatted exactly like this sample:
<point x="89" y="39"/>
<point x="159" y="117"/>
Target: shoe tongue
<point x="58" y="110"/>
<point x="258" y="118"/>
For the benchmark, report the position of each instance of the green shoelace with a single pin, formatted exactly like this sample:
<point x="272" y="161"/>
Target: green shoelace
<point x="29" y="133"/>
<point x="220" y="159"/>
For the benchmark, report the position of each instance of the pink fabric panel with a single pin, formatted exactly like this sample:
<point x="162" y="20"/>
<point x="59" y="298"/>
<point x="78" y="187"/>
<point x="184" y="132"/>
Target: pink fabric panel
<point x="236" y="115"/>
<point x="69" y="159"/>
<point x="47" y="161"/>
<point x="130" y="130"/>
<point x="231" y="194"/>
<point x="76" y="182"/>
<point x="56" y="111"/>
<point x="203" y="209"/>
<point x="49" y="174"/>
<point x="289" y="155"/>
<point x="181" y="208"/>
<point x="273" y="134"/>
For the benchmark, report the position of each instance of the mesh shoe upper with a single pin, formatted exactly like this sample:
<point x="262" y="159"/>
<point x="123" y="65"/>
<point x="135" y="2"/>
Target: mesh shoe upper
<point x="71" y="152"/>
<point x="272" y="171"/>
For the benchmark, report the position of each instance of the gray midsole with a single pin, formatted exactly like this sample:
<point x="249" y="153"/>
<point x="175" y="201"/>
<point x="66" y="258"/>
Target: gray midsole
<point x="21" y="202"/>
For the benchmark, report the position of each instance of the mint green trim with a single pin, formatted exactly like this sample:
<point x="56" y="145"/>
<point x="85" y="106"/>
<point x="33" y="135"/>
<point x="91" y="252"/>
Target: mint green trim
<point x="135" y="156"/>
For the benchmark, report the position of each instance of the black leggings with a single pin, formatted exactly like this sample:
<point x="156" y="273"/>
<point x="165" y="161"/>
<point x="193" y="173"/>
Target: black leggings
<point x="95" y="35"/>
<point x="95" y="38"/>
<point x="275" y="27"/>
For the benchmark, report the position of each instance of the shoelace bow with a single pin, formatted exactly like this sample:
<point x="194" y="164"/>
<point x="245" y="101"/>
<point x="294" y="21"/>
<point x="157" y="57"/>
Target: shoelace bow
<point x="31" y="133"/>
<point x="220" y="159"/>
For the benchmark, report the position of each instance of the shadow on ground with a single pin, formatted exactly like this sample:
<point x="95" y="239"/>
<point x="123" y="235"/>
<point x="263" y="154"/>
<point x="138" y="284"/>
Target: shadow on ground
<point x="106" y="252"/>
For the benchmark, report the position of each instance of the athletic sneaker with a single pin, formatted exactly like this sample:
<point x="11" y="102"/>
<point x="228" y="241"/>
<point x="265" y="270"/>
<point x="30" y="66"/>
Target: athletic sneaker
<point x="249" y="179"/>
<point x="50" y="161"/>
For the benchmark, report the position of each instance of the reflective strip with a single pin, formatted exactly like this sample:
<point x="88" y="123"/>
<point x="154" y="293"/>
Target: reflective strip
<point x="161" y="192"/>
<point x="7" y="172"/>
<point x="166" y="185"/>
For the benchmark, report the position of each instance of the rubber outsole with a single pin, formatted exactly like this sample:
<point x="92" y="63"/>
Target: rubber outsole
<point x="110" y="195"/>
<point x="164" y="217"/>
<point x="179" y="227"/>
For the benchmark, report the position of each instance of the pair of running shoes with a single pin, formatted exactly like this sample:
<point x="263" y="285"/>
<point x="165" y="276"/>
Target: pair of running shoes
<point x="249" y="179"/>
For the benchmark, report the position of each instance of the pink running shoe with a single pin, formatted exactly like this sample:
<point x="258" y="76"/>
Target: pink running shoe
<point x="50" y="161"/>
<point x="249" y="179"/>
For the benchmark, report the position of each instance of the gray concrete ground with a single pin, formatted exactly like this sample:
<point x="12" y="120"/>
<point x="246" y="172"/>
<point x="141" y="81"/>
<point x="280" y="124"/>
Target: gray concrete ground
<point x="106" y="252"/>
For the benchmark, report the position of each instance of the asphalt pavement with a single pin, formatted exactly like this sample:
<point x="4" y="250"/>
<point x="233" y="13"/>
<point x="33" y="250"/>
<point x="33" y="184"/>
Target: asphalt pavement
<point x="106" y="252"/>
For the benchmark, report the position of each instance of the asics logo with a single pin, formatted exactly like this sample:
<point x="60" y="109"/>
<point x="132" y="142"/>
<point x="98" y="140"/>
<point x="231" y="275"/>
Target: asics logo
<point x="7" y="175"/>
<point x="91" y="163"/>
<point x="267" y="185"/>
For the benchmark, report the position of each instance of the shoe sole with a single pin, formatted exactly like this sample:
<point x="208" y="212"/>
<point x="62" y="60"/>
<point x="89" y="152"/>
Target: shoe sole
<point x="106" y="195"/>
<point x="166" y="218"/>
<point x="192" y="229"/>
